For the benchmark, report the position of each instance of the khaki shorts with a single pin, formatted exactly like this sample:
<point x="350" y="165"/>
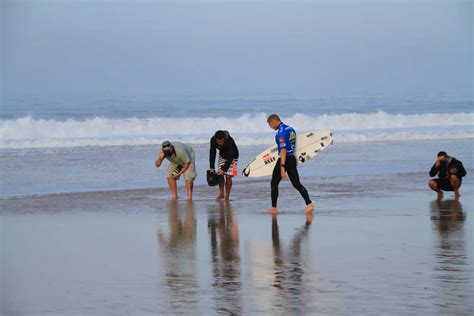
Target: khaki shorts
<point x="189" y="175"/>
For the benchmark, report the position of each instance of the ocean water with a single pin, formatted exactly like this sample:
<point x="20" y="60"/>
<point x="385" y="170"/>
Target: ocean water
<point x="92" y="144"/>
<point x="87" y="226"/>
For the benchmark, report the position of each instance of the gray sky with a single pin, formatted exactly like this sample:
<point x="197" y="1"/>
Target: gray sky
<point x="318" y="48"/>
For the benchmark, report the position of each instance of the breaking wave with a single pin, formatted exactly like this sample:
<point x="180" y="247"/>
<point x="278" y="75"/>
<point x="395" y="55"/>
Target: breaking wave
<point x="28" y="132"/>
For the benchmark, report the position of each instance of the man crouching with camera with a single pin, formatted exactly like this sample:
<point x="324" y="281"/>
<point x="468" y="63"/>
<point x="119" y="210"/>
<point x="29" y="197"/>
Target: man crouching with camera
<point x="450" y="172"/>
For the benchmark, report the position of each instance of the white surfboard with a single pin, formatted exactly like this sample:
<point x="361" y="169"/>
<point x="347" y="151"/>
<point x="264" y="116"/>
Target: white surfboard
<point x="308" y="146"/>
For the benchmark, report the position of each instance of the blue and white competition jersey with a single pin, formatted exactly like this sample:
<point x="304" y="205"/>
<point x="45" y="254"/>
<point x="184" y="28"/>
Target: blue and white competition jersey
<point x="286" y="138"/>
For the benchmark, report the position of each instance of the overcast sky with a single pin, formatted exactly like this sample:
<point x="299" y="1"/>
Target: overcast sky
<point x="243" y="48"/>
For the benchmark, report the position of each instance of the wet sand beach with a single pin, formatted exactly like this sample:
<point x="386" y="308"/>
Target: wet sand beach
<point x="375" y="245"/>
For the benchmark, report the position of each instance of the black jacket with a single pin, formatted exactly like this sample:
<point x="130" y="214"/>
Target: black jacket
<point x="453" y="165"/>
<point x="228" y="151"/>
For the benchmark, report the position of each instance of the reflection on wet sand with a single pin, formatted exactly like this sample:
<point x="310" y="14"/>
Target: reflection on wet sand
<point x="451" y="262"/>
<point x="448" y="216"/>
<point x="224" y="238"/>
<point x="288" y="269"/>
<point x="178" y="253"/>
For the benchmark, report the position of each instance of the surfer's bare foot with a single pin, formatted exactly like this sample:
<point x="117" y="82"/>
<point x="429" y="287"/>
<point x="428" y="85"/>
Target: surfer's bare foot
<point x="309" y="208"/>
<point x="219" y="197"/>
<point x="227" y="198"/>
<point x="457" y="195"/>
<point x="273" y="210"/>
<point x="174" y="197"/>
<point x="309" y="218"/>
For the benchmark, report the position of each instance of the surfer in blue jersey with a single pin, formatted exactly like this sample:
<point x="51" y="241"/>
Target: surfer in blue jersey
<point x="286" y="142"/>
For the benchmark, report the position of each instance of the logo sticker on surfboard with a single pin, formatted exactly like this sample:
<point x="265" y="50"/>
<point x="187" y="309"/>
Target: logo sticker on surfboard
<point x="267" y="158"/>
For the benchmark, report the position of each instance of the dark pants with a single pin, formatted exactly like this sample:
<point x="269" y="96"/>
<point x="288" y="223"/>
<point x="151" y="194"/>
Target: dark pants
<point x="292" y="172"/>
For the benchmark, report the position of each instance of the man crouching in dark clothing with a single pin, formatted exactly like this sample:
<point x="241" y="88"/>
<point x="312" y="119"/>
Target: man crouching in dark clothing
<point x="450" y="172"/>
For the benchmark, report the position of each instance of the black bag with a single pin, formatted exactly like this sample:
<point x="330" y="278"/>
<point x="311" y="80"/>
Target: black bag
<point x="212" y="178"/>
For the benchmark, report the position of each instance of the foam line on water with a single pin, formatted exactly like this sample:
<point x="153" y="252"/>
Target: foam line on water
<point x="28" y="132"/>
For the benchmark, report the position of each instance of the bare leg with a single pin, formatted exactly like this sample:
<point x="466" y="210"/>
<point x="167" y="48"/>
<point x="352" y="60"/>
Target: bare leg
<point x="173" y="187"/>
<point x="228" y="187"/>
<point x="221" y="189"/>
<point x="189" y="189"/>
<point x="434" y="186"/>
<point x="455" y="183"/>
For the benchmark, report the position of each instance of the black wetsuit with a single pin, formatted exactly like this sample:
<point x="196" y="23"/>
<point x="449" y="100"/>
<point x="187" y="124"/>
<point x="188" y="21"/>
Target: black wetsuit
<point x="286" y="139"/>
<point x="443" y="173"/>
<point x="228" y="151"/>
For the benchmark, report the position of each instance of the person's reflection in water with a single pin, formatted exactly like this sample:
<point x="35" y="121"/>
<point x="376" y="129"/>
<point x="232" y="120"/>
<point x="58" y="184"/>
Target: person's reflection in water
<point x="448" y="216"/>
<point x="288" y="269"/>
<point x="224" y="237"/>
<point x="178" y="252"/>
<point x="451" y="266"/>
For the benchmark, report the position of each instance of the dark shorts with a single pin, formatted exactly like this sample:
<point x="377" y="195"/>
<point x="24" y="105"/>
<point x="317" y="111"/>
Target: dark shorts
<point x="445" y="184"/>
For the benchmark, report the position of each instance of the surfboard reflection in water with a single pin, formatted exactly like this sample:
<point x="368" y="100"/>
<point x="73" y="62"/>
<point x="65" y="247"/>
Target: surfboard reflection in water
<point x="178" y="249"/>
<point x="224" y="238"/>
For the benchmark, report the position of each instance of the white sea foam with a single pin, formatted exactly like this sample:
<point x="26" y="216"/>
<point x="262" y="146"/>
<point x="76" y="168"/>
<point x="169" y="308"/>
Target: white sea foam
<point x="28" y="132"/>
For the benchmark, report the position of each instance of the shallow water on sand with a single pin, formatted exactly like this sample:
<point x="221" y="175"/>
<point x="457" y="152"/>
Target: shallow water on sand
<point x="368" y="249"/>
<point x="89" y="169"/>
